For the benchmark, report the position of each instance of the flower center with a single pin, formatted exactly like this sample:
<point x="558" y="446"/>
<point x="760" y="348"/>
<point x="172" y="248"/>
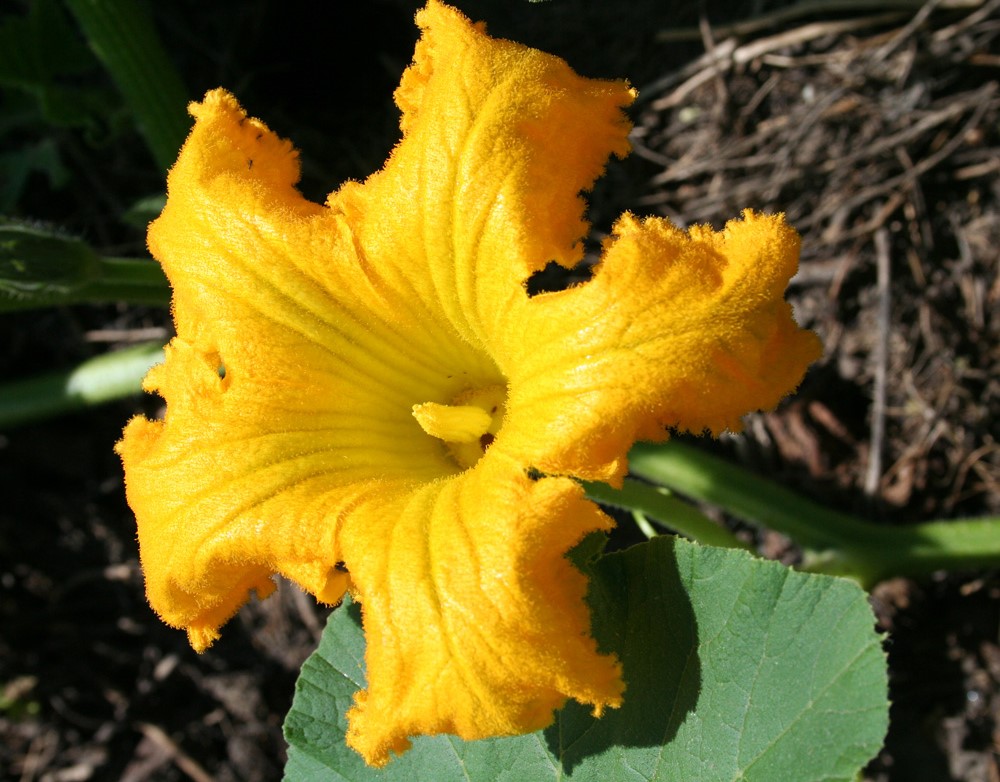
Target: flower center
<point x="468" y="425"/>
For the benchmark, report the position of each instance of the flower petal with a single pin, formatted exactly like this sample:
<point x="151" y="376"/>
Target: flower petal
<point x="498" y="142"/>
<point x="222" y="501"/>
<point x="475" y="622"/>
<point x="284" y="392"/>
<point x="247" y="254"/>
<point x="676" y="329"/>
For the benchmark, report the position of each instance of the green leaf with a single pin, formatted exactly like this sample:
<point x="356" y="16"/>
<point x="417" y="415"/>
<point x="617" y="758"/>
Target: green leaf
<point x="122" y="35"/>
<point x="42" y="54"/>
<point x="737" y="669"/>
<point x="141" y="213"/>
<point x="17" y="166"/>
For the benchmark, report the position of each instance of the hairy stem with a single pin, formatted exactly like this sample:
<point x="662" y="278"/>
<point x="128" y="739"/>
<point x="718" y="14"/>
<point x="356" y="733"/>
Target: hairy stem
<point x="834" y="542"/>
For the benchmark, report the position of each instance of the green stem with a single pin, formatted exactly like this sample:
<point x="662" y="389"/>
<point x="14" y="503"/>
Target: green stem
<point x="669" y="510"/>
<point x="104" y="280"/>
<point x="835" y="542"/>
<point x="644" y="525"/>
<point x="100" y="379"/>
<point x="131" y="280"/>
<point x="40" y="267"/>
<point x="122" y="35"/>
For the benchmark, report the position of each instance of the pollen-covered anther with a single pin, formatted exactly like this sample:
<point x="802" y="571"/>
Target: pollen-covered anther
<point x="453" y="423"/>
<point x="469" y="425"/>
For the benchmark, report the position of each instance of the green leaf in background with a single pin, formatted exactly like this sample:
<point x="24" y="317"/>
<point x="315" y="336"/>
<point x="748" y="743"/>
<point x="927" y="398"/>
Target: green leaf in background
<point x="17" y="166"/>
<point x="737" y="669"/>
<point x="42" y="54"/>
<point x="141" y="213"/>
<point x="47" y="75"/>
<point x="122" y="35"/>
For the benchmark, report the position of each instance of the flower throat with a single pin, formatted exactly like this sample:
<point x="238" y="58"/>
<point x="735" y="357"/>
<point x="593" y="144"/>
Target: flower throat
<point x="468" y="425"/>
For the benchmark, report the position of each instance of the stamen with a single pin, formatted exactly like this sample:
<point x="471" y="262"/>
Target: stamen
<point x="453" y="423"/>
<point x="468" y="426"/>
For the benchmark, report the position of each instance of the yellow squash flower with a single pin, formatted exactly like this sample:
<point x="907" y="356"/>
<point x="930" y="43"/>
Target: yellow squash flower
<point x="362" y="395"/>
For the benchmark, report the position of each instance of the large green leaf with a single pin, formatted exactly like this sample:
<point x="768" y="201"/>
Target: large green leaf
<point x="737" y="669"/>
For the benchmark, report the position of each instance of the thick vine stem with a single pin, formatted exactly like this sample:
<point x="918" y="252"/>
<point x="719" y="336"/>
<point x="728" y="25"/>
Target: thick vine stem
<point x="834" y="542"/>
<point x="671" y="511"/>
<point x="101" y="379"/>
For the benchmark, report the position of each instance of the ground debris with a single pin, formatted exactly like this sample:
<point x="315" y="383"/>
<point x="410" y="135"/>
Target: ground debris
<point x="879" y="137"/>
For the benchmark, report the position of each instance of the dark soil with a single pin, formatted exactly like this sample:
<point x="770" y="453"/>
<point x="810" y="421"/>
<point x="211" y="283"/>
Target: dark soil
<point x="877" y="132"/>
